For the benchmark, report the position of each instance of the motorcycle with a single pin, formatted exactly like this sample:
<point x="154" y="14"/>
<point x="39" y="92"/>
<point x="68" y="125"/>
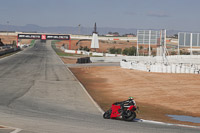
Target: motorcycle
<point x="128" y="113"/>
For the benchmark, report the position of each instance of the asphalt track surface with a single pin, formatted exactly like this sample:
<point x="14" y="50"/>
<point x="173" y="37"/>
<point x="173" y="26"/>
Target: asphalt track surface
<point x="38" y="94"/>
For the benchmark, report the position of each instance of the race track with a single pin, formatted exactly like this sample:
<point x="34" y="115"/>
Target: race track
<point x="38" y="94"/>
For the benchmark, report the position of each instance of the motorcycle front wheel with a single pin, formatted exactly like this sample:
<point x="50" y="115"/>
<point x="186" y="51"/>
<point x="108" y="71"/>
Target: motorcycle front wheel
<point x="107" y="114"/>
<point x="129" y="116"/>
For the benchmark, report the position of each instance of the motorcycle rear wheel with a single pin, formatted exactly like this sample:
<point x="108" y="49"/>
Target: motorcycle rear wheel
<point x="129" y="116"/>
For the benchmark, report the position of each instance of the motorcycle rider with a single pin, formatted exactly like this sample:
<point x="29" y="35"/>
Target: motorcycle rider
<point x="126" y="103"/>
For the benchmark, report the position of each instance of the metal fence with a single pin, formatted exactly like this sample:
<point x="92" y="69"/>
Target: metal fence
<point x="148" y="37"/>
<point x="151" y="37"/>
<point x="189" y="39"/>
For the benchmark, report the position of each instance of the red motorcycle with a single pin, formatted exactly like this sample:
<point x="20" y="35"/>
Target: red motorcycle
<point x="127" y="113"/>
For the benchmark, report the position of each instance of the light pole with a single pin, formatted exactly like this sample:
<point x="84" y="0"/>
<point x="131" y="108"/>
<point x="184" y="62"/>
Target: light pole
<point x="79" y="29"/>
<point x="7" y="28"/>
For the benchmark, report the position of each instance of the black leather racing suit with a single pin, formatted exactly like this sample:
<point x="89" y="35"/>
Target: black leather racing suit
<point x="126" y="103"/>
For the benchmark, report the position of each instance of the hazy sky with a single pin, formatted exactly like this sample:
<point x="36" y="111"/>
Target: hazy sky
<point x="140" y="14"/>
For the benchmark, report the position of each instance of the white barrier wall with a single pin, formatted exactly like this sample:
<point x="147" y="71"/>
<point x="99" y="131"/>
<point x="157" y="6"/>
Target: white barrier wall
<point x="97" y="54"/>
<point x="91" y="53"/>
<point x="70" y="51"/>
<point x="159" y="67"/>
<point x="105" y="59"/>
<point x="176" y="59"/>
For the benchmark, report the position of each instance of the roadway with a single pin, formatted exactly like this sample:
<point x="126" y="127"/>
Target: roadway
<point x="38" y="94"/>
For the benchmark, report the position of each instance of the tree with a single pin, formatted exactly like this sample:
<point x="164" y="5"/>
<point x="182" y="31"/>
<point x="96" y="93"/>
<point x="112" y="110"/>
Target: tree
<point x="183" y="52"/>
<point x="119" y="51"/>
<point x="125" y="51"/>
<point x="112" y="50"/>
<point x="129" y="51"/>
<point x="81" y="48"/>
<point x="132" y="51"/>
<point x="115" y="51"/>
<point x="86" y="49"/>
<point x="14" y="43"/>
<point x="173" y="53"/>
<point x="141" y="48"/>
<point x="115" y="33"/>
<point x="150" y="49"/>
<point x="176" y="36"/>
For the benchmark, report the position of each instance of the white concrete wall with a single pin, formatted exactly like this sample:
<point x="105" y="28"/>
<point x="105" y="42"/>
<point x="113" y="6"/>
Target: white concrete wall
<point x="177" y="59"/>
<point x="105" y="59"/>
<point x="161" y="68"/>
<point x="97" y="54"/>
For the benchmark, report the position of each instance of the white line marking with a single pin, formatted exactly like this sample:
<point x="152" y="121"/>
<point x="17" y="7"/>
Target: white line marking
<point x="17" y="130"/>
<point x="169" y="124"/>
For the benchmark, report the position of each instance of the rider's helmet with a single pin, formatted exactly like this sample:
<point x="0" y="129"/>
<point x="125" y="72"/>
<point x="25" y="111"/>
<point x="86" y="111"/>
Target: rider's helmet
<point x="130" y="98"/>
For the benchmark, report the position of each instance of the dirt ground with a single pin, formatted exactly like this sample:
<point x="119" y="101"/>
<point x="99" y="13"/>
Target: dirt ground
<point x="156" y="94"/>
<point x="104" y="45"/>
<point x="69" y="60"/>
<point x="10" y="38"/>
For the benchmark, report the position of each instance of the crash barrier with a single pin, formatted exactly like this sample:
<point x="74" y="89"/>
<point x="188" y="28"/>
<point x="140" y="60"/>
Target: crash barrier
<point x="160" y="67"/>
<point x="134" y="65"/>
<point x="192" y="59"/>
<point x="175" y="59"/>
<point x="89" y="53"/>
<point x="24" y="45"/>
<point x="106" y="59"/>
<point x="83" y="60"/>
<point x="10" y="50"/>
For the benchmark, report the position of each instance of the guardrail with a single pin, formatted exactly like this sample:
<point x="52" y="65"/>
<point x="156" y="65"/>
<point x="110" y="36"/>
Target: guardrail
<point x="7" y="51"/>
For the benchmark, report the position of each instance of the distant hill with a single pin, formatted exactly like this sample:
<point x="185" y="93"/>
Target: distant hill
<point x="72" y="30"/>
